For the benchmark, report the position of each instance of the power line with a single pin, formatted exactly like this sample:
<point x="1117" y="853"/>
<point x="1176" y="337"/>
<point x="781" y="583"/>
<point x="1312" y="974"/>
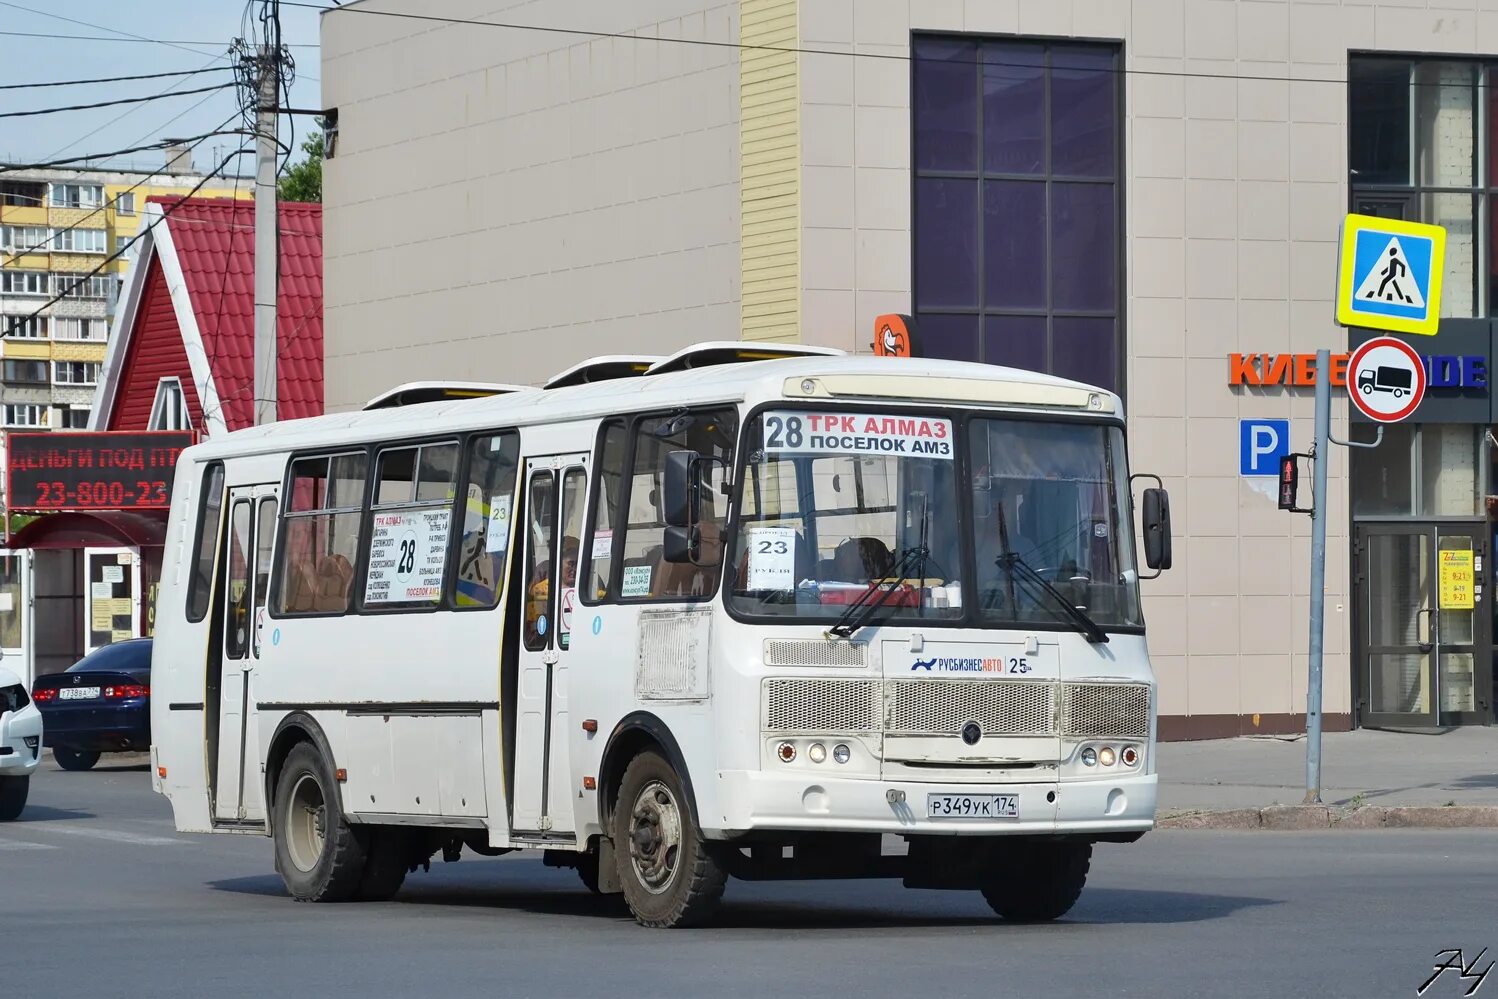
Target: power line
<point x="131" y="189"/>
<point x="114" y="79"/>
<point x="148" y="147"/>
<point x="146" y="41"/>
<point x="115" y="102"/>
<point x="166" y="213"/>
<point x="800" y="50"/>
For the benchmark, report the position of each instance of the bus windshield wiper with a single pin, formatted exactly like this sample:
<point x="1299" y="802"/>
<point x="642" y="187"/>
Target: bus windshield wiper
<point x="1086" y="625"/>
<point x="867" y="605"/>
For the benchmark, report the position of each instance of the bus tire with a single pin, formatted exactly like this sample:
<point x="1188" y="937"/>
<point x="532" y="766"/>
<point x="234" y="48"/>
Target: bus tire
<point x="389" y="850"/>
<point x="669" y="877"/>
<point x="1040" y="883"/>
<point x="74" y="759"/>
<point x="13" y="791"/>
<point x="319" y="855"/>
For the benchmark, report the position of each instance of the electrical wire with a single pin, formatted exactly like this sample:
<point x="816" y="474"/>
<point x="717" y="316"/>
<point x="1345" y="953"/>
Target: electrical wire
<point x="131" y="189"/>
<point x="144" y="41"/>
<point x="801" y="50"/>
<point x="117" y="101"/>
<point x="148" y="147"/>
<point x="166" y="213"/>
<point x="115" y="79"/>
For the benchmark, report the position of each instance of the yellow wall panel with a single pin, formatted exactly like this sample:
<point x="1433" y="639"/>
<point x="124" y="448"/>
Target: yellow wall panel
<point x="27" y="350"/>
<point x="64" y="351"/>
<point x="769" y="172"/>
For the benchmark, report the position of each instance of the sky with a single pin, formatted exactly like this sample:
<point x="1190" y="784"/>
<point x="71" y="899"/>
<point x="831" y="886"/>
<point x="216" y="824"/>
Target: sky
<point x="207" y="27"/>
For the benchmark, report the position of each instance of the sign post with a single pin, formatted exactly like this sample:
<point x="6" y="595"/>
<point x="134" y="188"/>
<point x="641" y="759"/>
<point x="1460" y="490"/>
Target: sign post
<point x="1388" y="278"/>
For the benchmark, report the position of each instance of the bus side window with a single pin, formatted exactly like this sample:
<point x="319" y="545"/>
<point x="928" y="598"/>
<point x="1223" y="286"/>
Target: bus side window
<point x="320" y="530"/>
<point x="210" y="504"/>
<point x="485" y="503"/>
<point x="646" y="575"/>
<point x="598" y="560"/>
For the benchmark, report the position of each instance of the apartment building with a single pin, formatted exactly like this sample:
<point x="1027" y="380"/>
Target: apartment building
<point x="56" y="228"/>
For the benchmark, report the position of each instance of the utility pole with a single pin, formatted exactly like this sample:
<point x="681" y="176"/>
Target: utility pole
<point x="268" y="66"/>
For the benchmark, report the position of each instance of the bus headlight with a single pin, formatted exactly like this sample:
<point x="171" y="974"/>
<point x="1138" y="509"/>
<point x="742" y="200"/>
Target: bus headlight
<point x="1106" y="756"/>
<point x="817" y="753"/>
<point x="1089" y="757"/>
<point x="841" y="753"/>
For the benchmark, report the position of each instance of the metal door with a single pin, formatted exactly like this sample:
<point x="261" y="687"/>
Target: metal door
<point x="1425" y="635"/>
<point x="238" y="795"/>
<point x="555" y="489"/>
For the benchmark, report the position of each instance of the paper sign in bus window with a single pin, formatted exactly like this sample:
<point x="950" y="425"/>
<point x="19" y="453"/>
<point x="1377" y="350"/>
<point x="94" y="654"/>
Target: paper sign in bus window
<point x="772" y="559"/>
<point x="892" y="434"/>
<point x="407" y="554"/>
<point x="636" y="581"/>
<point x="497" y="538"/>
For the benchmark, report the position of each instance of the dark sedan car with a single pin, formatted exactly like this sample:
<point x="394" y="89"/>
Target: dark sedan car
<point x="102" y="704"/>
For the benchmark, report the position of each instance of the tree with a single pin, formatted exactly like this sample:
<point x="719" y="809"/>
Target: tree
<point x="303" y="181"/>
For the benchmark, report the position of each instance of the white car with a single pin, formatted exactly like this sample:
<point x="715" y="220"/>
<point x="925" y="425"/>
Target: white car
<point x="20" y="744"/>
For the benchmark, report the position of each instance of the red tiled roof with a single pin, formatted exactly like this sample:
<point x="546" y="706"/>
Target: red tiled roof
<point x="215" y="242"/>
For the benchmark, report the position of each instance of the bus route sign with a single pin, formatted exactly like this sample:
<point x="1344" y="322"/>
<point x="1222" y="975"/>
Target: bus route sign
<point x="87" y="471"/>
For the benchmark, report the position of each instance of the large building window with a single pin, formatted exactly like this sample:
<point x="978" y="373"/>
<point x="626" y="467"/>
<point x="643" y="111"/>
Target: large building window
<point x="1421" y="145"/>
<point x="1017" y="208"/>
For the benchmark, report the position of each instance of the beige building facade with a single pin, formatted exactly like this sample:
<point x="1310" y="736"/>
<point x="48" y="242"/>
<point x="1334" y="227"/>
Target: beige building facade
<point x="1145" y="195"/>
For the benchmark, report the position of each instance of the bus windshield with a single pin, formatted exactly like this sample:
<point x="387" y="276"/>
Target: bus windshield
<point x="842" y="508"/>
<point x="1051" y="502"/>
<point x="836" y="505"/>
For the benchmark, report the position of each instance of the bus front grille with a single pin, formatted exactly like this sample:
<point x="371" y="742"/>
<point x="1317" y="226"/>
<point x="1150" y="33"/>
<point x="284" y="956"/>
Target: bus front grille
<point x="821" y="706"/>
<point x="943" y="707"/>
<point x="1119" y="710"/>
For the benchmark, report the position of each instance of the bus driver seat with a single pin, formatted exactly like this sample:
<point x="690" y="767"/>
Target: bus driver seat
<point x="334" y="577"/>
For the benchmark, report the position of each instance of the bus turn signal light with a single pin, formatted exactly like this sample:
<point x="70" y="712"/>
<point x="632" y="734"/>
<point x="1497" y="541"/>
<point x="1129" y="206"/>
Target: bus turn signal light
<point x="590" y="725"/>
<point x="590" y="783"/>
<point x="340" y="775"/>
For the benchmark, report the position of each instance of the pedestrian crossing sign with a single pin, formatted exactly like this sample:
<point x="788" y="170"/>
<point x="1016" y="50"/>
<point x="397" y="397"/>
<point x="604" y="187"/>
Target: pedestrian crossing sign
<point x="1389" y="275"/>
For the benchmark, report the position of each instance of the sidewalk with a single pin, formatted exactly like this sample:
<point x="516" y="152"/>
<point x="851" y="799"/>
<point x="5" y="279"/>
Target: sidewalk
<point x="1233" y="783"/>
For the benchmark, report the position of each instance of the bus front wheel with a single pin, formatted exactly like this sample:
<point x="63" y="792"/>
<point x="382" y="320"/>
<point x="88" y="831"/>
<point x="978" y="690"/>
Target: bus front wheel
<point x="1039" y="882"/>
<point x="320" y="856"/>
<point x="669" y="877"/>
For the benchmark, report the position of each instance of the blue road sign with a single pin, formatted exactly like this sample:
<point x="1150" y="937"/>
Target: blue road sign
<point x="1262" y="443"/>
<point x="1389" y="277"/>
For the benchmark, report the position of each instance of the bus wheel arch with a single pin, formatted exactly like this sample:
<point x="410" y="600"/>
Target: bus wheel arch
<point x="295" y="728"/>
<point x="637" y="732"/>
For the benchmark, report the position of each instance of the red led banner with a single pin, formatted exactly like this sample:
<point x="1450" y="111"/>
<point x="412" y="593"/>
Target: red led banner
<point x="47" y="472"/>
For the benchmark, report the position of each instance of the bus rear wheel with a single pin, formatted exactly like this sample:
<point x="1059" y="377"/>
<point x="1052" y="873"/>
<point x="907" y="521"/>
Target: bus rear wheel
<point x="1039" y="882"/>
<point x="320" y="856"/>
<point x="669" y="877"/>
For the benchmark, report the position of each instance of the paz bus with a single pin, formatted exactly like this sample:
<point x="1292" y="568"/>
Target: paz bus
<point x="750" y="612"/>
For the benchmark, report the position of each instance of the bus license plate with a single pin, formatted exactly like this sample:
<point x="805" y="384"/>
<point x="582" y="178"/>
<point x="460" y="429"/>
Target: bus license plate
<point x="972" y="806"/>
<point x="77" y="693"/>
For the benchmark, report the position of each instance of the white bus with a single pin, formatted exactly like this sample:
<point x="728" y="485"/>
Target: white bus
<point x="738" y="612"/>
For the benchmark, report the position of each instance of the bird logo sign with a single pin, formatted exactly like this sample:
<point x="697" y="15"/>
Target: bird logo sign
<point x="892" y="336"/>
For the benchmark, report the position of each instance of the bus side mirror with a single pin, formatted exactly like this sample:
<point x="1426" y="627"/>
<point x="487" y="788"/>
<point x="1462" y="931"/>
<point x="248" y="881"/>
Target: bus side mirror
<point x="681" y="544"/>
<point x="679" y="499"/>
<point x="1156" y="524"/>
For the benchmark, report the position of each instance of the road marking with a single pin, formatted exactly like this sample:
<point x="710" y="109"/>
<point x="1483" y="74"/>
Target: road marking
<point x="113" y="835"/>
<point x="20" y="844"/>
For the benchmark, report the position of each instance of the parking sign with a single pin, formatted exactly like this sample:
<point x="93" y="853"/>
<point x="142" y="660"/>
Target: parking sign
<point x="1261" y="445"/>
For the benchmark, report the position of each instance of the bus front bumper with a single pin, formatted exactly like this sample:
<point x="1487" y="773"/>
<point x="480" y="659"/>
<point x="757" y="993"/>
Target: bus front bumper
<point x="754" y="800"/>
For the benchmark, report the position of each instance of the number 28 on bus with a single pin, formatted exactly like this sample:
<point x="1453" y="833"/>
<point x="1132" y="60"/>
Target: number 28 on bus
<point x="741" y="621"/>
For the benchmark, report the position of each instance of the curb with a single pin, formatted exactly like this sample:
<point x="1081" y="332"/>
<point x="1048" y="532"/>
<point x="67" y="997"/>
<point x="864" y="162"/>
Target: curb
<point x="1303" y="817"/>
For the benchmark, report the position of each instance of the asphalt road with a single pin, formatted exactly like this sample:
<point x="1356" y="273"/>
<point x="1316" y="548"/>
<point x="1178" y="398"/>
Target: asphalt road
<point x="99" y="897"/>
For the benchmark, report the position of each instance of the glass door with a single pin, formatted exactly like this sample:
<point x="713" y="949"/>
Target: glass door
<point x="1396" y="598"/>
<point x="1463" y="662"/>
<point x="110" y="606"/>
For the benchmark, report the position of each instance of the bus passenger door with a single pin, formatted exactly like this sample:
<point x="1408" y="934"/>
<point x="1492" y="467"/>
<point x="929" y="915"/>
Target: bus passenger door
<point x="237" y="792"/>
<point x="554" y="509"/>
